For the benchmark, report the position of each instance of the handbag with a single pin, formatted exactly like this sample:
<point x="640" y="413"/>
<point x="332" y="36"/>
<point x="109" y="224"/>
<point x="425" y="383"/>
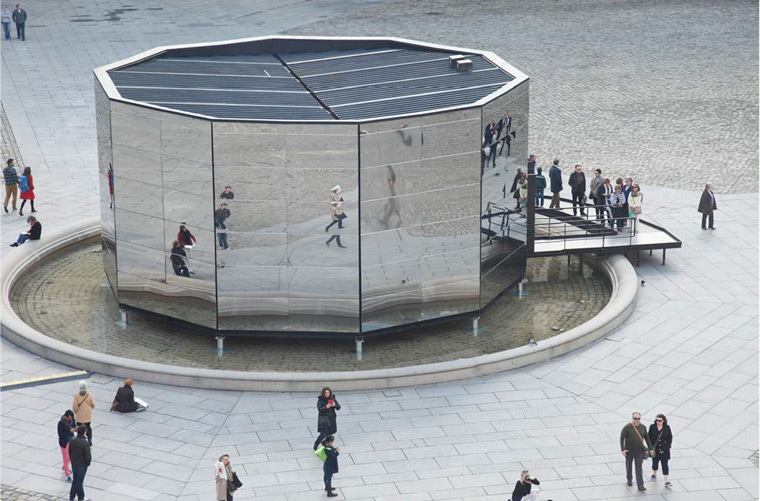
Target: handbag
<point x="637" y="210"/>
<point x="342" y="215"/>
<point x="321" y="454"/>
<point x="234" y="483"/>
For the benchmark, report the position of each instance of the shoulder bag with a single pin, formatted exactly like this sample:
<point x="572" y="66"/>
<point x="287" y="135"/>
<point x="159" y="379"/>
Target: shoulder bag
<point x="643" y="442"/>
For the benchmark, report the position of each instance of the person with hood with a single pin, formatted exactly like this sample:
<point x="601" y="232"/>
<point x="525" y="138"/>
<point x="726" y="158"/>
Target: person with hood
<point x="327" y="424"/>
<point x="67" y="426"/>
<point x="82" y="406"/>
<point x="555" y="184"/>
<point x="125" y="399"/>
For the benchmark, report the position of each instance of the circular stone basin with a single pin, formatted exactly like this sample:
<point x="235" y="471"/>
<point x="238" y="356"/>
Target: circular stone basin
<point x="67" y="298"/>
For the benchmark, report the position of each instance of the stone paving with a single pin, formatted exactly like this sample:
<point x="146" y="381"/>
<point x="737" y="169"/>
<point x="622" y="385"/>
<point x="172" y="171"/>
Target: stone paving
<point x="65" y="297"/>
<point x="664" y="91"/>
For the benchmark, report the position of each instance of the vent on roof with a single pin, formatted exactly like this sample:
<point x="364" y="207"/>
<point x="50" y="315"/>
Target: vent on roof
<point x="453" y="60"/>
<point x="464" y="65"/>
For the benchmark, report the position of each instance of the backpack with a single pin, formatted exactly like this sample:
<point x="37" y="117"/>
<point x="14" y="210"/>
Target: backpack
<point x="321" y="454"/>
<point x="23" y="182"/>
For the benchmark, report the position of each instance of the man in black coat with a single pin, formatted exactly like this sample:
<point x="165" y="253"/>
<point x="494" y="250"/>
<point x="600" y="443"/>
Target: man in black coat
<point x="577" y="184"/>
<point x="706" y="206"/>
<point x="19" y="17"/>
<point x="555" y="184"/>
<point x="79" y="451"/>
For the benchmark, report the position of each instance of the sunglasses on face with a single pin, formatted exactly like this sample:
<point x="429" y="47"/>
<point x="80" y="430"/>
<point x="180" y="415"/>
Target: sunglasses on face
<point x="658" y="420"/>
<point x="637" y="419"/>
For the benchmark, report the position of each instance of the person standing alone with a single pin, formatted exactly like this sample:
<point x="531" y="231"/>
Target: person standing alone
<point x="327" y="423"/>
<point x="19" y="17"/>
<point x="635" y="443"/>
<point x="79" y="451"/>
<point x="83" y="405"/>
<point x="707" y="206"/>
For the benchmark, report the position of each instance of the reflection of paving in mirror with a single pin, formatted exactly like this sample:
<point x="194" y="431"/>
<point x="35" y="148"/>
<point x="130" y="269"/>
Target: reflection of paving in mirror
<point x="72" y="304"/>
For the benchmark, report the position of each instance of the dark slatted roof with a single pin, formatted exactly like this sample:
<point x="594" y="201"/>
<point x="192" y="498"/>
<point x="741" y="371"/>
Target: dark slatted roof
<point x="341" y="84"/>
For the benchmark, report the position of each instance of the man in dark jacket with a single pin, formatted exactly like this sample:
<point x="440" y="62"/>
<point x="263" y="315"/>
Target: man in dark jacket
<point x="34" y="233"/>
<point x="66" y="428"/>
<point x="635" y="443"/>
<point x="220" y="216"/>
<point x="125" y="399"/>
<point x="706" y="206"/>
<point x="577" y="184"/>
<point x="555" y="184"/>
<point x="19" y="17"/>
<point x="514" y="189"/>
<point x="79" y="451"/>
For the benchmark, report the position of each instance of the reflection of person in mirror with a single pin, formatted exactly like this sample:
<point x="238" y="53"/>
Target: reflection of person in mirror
<point x="489" y="141"/>
<point x="110" y="183"/>
<point x="187" y="240"/>
<point x="515" y="192"/>
<point x="220" y="216"/>
<point x="393" y="204"/>
<point x="505" y="127"/>
<point x="227" y="193"/>
<point x="337" y="215"/>
<point x="177" y="257"/>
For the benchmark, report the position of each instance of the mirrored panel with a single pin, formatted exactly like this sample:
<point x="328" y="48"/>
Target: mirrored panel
<point x="190" y="141"/>
<point x="450" y="203"/>
<point x="139" y="229"/>
<point x="254" y="249"/>
<point x="181" y="265"/>
<point x="391" y="180"/>
<point x="391" y="213"/>
<point x="391" y="246"/>
<point x="141" y="261"/>
<point x="187" y="176"/>
<point x="134" y="131"/>
<point x="248" y="183"/>
<point x="446" y="236"/>
<point x="503" y="275"/>
<point x="135" y="164"/>
<point x="333" y="249"/>
<point x="197" y="243"/>
<point x="391" y="294"/>
<point x="448" y="298"/>
<point x="451" y="266"/>
<point x="253" y="298"/>
<point x="139" y="197"/>
<point x="193" y="210"/>
<point x="305" y="217"/>
<point x="390" y="147"/>
<point x="178" y="297"/>
<point x="254" y="145"/>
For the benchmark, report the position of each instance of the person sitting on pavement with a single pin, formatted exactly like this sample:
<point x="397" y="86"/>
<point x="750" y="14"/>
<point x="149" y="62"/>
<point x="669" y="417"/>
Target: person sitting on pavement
<point x="125" y="399"/>
<point x="523" y="487"/>
<point x="34" y="233"/>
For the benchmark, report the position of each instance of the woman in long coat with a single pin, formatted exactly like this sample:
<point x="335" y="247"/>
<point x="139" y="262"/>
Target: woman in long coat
<point x="327" y="423"/>
<point x="662" y="439"/>
<point x="82" y="406"/>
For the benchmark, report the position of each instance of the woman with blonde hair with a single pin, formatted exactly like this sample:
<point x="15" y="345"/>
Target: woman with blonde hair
<point x="226" y="478"/>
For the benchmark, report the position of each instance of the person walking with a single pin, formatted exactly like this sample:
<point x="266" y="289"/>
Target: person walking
<point x="617" y="202"/>
<point x="329" y="454"/>
<point x="577" y="184"/>
<point x="515" y="192"/>
<point x="220" y="217"/>
<point x="337" y="215"/>
<point x="555" y="184"/>
<point x="523" y="490"/>
<point x="594" y="185"/>
<point x="662" y="439"/>
<point x="83" y="405"/>
<point x="635" y="443"/>
<point x="226" y="479"/>
<point x="5" y="16"/>
<point x="125" y="401"/>
<point x="67" y="427"/>
<point x="19" y="17"/>
<point x="34" y="232"/>
<point x="79" y="450"/>
<point x="635" y="202"/>
<point x="10" y="176"/>
<point x="26" y="185"/>
<point x="540" y="187"/>
<point x="327" y="423"/>
<point x="227" y="193"/>
<point x="707" y="207"/>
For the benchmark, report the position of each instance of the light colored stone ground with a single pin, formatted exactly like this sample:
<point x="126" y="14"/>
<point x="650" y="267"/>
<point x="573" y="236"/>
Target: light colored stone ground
<point x="690" y="349"/>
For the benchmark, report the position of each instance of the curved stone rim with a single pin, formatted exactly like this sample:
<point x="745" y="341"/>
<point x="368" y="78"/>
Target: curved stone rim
<point x="619" y="271"/>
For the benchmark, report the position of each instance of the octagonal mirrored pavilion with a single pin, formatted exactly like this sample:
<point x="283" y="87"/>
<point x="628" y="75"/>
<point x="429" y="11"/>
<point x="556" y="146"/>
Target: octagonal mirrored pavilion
<point x="359" y="171"/>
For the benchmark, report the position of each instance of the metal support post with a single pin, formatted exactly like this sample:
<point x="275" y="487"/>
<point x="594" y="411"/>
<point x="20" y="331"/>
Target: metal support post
<point x="359" y="343"/>
<point x="637" y="258"/>
<point x="663" y="257"/>
<point x="219" y="345"/>
<point x="475" y="321"/>
<point x="580" y="260"/>
<point x="122" y="322"/>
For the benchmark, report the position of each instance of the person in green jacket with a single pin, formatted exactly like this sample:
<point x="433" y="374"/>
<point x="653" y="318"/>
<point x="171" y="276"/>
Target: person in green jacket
<point x="635" y="443"/>
<point x="540" y="187"/>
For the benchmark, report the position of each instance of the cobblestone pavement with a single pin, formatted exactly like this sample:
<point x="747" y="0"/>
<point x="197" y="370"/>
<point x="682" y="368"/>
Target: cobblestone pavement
<point x="15" y="494"/>
<point x="65" y="297"/>
<point x="608" y="77"/>
<point x="666" y="92"/>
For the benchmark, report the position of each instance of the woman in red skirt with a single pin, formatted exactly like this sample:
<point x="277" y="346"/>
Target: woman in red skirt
<point x="26" y="183"/>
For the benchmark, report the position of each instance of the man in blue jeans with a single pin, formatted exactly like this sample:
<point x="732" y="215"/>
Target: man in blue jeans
<point x="220" y="216"/>
<point x="79" y="452"/>
<point x="19" y="17"/>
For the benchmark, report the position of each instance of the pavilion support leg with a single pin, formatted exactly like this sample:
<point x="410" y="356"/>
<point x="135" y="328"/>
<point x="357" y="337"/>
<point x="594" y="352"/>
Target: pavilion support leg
<point x="663" y="256"/>
<point x="650" y="252"/>
<point x="359" y="343"/>
<point x="475" y="321"/>
<point x="637" y="258"/>
<point x="219" y="345"/>
<point x="580" y="259"/>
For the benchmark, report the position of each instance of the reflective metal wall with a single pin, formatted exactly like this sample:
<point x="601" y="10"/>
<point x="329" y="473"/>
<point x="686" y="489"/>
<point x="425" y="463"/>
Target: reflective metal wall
<point x="162" y="178"/>
<point x="105" y="182"/>
<point x="283" y="268"/>
<point x="504" y="150"/>
<point x="420" y="202"/>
